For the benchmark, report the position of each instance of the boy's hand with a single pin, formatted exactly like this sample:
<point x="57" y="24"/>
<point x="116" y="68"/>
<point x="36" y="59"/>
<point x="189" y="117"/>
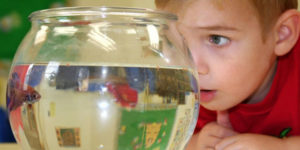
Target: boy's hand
<point x="209" y="136"/>
<point x="251" y="142"/>
<point x="246" y="141"/>
<point x="212" y="133"/>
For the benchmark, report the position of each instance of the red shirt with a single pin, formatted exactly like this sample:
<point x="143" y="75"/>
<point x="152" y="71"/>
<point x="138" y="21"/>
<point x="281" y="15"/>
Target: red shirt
<point x="279" y="110"/>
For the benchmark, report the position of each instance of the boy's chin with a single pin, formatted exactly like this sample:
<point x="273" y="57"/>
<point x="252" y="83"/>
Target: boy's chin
<point x="215" y="107"/>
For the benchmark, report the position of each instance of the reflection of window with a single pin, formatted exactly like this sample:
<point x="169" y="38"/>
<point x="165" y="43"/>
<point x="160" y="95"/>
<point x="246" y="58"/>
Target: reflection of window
<point x="68" y="137"/>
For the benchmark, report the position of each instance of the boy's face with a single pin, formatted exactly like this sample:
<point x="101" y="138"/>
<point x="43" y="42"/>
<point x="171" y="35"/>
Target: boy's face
<point x="226" y="43"/>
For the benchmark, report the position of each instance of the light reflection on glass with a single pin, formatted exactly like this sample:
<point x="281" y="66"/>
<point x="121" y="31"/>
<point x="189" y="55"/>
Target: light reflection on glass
<point x="41" y="35"/>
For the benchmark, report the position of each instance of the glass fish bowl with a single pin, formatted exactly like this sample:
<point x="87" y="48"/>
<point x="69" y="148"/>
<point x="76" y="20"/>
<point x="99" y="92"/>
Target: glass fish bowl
<point x="102" y="78"/>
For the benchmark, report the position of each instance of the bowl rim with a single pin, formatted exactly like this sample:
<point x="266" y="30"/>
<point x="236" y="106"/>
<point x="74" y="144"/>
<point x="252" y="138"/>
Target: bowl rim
<point x="102" y="10"/>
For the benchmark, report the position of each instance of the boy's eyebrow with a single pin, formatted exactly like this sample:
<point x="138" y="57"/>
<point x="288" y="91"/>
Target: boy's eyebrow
<point x="218" y="27"/>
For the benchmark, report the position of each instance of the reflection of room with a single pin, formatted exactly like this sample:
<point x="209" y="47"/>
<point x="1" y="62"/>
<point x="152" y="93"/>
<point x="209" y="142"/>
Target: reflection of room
<point x="68" y="114"/>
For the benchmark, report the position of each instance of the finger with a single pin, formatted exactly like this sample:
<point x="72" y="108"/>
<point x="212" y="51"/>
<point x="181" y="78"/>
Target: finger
<point x="234" y="146"/>
<point x="203" y="142"/>
<point x="227" y="143"/>
<point x="223" y="119"/>
<point x="212" y="141"/>
<point x="209" y="148"/>
<point x="214" y="129"/>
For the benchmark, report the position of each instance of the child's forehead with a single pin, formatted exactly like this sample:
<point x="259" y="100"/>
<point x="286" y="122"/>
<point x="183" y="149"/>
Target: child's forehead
<point x="174" y="6"/>
<point x="179" y="6"/>
<point x="230" y="13"/>
<point x="225" y="6"/>
<point x="222" y="4"/>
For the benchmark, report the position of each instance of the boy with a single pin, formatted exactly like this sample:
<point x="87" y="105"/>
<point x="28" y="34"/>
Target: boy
<point x="248" y="58"/>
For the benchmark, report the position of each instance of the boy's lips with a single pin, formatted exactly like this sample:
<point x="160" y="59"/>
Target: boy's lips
<point x="207" y="95"/>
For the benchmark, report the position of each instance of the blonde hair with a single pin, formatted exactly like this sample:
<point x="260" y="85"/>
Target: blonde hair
<point x="268" y="11"/>
<point x="161" y="4"/>
<point x="172" y="6"/>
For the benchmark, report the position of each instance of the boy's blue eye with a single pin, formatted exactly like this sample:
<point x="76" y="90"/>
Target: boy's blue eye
<point x="218" y="40"/>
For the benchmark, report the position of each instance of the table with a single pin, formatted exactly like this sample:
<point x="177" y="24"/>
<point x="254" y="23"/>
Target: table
<point x="9" y="146"/>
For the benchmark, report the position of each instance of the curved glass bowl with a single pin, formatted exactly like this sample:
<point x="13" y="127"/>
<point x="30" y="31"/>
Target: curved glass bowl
<point x="102" y="78"/>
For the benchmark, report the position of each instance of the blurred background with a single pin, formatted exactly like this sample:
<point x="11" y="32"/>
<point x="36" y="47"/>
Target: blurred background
<point x="14" y="24"/>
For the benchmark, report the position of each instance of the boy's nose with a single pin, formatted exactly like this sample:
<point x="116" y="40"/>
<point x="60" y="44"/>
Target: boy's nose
<point x="201" y="65"/>
<point x="198" y="53"/>
<point x="202" y="69"/>
<point x="200" y="62"/>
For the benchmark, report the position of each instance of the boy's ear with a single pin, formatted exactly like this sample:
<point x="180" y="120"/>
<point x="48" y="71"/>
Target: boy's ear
<point x="287" y="30"/>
